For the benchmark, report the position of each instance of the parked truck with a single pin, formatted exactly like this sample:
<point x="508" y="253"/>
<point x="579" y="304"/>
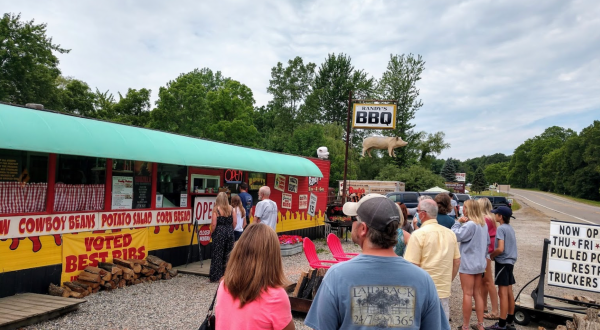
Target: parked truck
<point x="358" y="188"/>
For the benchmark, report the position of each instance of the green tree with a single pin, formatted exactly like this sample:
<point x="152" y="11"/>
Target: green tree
<point x="290" y="86"/>
<point x="449" y="171"/>
<point x="334" y="79"/>
<point x="399" y="83"/>
<point x="416" y="178"/>
<point x="337" y="148"/>
<point x="479" y="183"/>
<point x="28" y="65"/>
<point x="429" y="146"/>
<point x="305" y="140"/>
<point x="75" y="96"/>
<point x="496" y="173"/>
<point x="182" y="106"/>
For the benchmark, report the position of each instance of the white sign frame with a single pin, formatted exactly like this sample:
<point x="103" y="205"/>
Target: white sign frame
<point x="312" y="205"/>
<point x="203" y="208"/>
<point x="385" y="112"/>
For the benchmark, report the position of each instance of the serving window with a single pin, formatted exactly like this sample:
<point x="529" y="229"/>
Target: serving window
<point x="80" y="183"/>
<point x="23" y="181"/>
<point x="131" y="184"/>
<point x="172" y="185"/>
<point x="205" y="184"/>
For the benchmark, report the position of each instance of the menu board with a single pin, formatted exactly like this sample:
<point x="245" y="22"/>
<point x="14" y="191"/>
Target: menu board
<point x="9" y="169"/>
<point x="256" y="180"/>
<point x="302" y="202"/>
<point x="122" y="193"/>
<point x="142" y="185"/>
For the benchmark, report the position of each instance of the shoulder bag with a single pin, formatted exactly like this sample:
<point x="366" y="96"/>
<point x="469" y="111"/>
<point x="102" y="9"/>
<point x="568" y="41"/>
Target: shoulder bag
<point x="209" y="322"/>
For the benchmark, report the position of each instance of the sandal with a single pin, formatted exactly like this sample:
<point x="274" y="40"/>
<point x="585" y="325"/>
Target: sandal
<point x="478" y="326"/>
<point x="463" y="327"/>
<point x="490" y="316"/>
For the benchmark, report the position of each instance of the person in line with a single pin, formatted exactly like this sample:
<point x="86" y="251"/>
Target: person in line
<point x="435" y="249"/>
<point x="246" y="202"/>
<point x="416" y="219"/>
<point x="221" y="227"/>
<point x="258" y="301"/>
<point x="236" y="203"/>
<point x="407" y="224"/>
<point x="373" y="289"/>
<point x="472" y="234"/>
<point x="505" y="257"/>
<point x="266" y="210"/>
<point x="488" y="287"/>
<point x="444" y="217"/>
<point x="403" y="235"/>
<point x="453" y="213"/>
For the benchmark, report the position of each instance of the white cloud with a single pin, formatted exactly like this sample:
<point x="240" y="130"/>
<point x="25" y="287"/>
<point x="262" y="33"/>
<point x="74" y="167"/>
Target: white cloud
<point x="497" y="72"/>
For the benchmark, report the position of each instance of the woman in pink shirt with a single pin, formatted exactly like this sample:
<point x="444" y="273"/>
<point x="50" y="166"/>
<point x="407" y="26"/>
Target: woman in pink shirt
<point x="251" y="295"/>
<point x="488" y="278"/>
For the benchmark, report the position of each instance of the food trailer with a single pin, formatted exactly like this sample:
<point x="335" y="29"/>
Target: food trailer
<point x="75" y="191"/>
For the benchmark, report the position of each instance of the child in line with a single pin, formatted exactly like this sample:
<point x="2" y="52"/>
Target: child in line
<point x="505" y="257"/>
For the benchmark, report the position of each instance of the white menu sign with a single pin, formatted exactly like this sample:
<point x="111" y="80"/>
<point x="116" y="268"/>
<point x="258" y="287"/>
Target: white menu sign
<point x="122" y="193"/>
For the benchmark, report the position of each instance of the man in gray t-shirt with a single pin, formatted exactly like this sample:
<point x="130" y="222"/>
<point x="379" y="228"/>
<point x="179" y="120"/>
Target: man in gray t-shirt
<point x="266" y="209"/>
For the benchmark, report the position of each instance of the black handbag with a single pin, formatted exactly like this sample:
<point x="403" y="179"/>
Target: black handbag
<point x="209" y="322"/>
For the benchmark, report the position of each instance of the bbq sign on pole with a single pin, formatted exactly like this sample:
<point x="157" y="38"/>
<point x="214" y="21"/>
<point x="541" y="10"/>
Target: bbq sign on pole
<point x="574" y="256"/>
<point x="377" y="116"/>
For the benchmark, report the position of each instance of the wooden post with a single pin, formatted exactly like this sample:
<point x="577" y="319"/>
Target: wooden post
<point x="347" y="142"/>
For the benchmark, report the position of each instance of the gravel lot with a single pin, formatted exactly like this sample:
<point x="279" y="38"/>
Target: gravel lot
<point x="181" y="303"/>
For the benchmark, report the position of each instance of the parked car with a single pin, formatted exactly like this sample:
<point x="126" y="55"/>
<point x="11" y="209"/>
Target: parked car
<point x="409" y="198"/>
<point x="496" y="200"/>
<point x="428" y="193"/>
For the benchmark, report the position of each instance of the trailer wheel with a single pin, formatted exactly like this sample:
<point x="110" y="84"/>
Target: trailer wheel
<point x="522" y="317"/>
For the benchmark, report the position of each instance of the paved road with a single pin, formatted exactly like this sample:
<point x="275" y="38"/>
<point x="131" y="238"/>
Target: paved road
<point x="559" y="208"/>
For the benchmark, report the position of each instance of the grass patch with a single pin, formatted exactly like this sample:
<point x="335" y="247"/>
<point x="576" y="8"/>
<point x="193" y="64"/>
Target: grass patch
<point x="575" y="199"/>
<point x="320" y="250"/>
<point x="515" y="205"/>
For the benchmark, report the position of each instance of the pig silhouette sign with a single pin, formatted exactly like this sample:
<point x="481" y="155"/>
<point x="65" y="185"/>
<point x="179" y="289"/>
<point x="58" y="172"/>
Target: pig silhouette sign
<point x="382" y="142"/>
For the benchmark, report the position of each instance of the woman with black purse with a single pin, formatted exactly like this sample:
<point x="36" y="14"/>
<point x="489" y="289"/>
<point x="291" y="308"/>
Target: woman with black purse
<point x="252" y="294"/>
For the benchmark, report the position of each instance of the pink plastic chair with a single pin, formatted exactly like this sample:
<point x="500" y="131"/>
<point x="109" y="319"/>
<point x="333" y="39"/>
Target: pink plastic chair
<point x="335" y="246"/>
<point x="311" y="255"/>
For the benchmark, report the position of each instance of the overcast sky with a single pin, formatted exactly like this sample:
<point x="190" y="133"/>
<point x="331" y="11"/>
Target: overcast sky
<point x="496" y="72"/>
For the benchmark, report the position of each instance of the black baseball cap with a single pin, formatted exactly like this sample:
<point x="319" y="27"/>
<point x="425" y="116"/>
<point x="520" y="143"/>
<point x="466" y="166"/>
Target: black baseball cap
<point x="503" y="211"/>
<point x="376" y="210"/>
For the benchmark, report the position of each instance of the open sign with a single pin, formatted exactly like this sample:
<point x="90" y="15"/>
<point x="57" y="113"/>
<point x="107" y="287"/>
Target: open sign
<point x="203" y="208"/>
<point x="379" y="116"/>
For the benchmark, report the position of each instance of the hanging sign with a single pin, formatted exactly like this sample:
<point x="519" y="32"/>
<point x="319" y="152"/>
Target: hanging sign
<point x="204" y="235"/>
<point x="312" y="205"/>
<point x="87" y="249"/>
<point x="302" y="202"/>
<point x="279" y="182"/>
<point x="233" y="176"/>
<point x="293" y="184"/>
<point x="377" y="116"/>
<point x="256" y="180"/>
<point x="203" y="208"/>
<point x="574" y="256"/>
<point x="286" y="201"/>
<point x="460" y="177"/>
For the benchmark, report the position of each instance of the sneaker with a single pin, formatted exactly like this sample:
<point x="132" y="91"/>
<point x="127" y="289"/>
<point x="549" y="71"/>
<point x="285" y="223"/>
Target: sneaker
<point x="496" y="327"/>
<point x="511" y="327"/>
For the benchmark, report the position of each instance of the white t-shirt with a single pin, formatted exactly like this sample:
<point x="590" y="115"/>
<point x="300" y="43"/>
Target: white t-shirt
<point x="240" y="225"/>
<point x="266" y="210"/>
<point x="454" y="204"/>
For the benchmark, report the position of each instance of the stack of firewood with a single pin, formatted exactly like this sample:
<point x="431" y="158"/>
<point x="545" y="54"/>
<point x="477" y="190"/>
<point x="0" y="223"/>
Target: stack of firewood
<point x="308" y="283"/>
<point x="119" y="273"/>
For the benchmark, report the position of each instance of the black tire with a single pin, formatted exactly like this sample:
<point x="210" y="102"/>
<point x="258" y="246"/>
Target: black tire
<point x="522" y="317"/>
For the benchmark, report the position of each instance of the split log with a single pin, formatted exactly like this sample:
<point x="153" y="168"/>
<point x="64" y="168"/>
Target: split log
<point x="95" y="290"/>
<point x="142" y="262"/>
<point x="168" y="266"/>
<point x="133" y="266"/>
<point x="76" y="294"/>
<point x="56" y="290"/>
<point x="99" y="271"/>
<point x="121" y="283"/>
<point x="79" y="284"/>
<point x="172" y="272"/>
<point x="589" y="321"/>
<point x="137" y="281"/>
<point x="166" y="276"/>
<point x="89" y="277"/>
<point x="127" y="272"/>
<point x="299" y="284"/>
<point x="110" y="267"/>
<point x="91" y="285"/>
<point x="108" y="286"/>
<point x="147" y="271"/>
<point x="156" y="261"/>
<point x="152" y="278"/>
<point x="76" y="288"/>
<point x="159" y="269"/>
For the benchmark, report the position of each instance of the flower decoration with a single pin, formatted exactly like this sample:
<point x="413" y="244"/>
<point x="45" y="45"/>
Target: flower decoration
<point x="289" y="239"/>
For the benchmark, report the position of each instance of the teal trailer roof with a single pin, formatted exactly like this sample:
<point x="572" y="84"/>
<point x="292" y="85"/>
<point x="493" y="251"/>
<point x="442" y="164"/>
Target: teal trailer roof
<point x="46" y="131"/>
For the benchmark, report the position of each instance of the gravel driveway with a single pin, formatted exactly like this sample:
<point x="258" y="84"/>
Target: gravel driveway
<point x="181" y="303"/>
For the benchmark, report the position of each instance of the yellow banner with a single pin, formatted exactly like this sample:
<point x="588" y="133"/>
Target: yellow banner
<point x="87" y="249"/>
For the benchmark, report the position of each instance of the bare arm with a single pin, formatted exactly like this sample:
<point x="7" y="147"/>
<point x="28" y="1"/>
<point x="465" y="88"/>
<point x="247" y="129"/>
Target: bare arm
<point x="213" y="223"/>
<point x="498" y="250"/>
<point x="455" y="266"/>
<point x="234" y="215"/>
<point x="290" y="326"/>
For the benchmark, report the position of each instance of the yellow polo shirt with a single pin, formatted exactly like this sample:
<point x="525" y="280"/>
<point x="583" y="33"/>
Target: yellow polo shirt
<point x="434" y="248"/>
